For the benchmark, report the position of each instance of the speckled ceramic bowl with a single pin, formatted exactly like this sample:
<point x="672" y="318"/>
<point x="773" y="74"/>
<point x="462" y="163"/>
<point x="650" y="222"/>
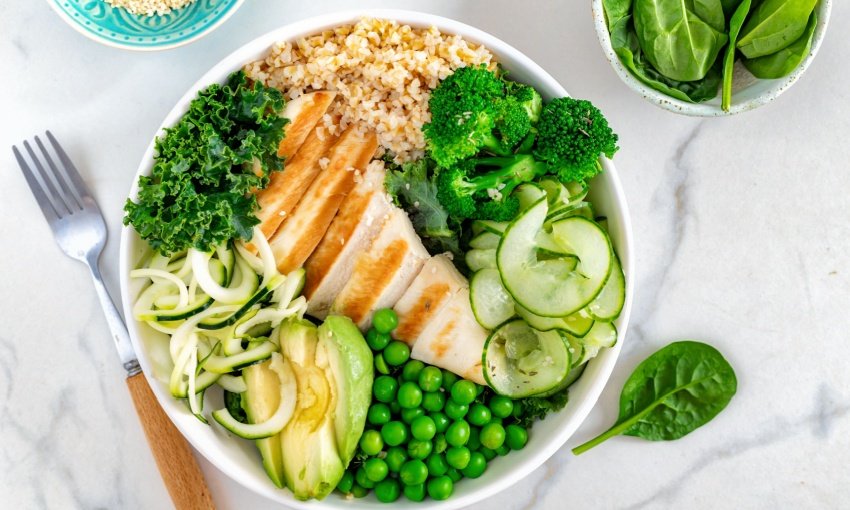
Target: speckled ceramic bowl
<point x="119" y="28"/>
<point x="748" y="92"/>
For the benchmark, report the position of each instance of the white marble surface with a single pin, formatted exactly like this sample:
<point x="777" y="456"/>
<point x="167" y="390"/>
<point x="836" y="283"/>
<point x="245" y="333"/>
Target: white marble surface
<point x="742" y="240"/>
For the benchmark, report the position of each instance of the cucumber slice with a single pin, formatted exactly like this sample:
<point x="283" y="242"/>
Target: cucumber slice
<point x="547" y="245"/>
<point x="528" y="194"/>
<point x="481" y="259"/>
<point x="491" y="303"/>
<point x="256" y="352"/>
<point x="572" y="377"/>
<point x="495" y="227"/>
<point x="485" y="241"/>
<point x="607" y="306"/>
<point x="237" y="294"/>
<point x="583" y="209"/>
<point x="576" y="324"/>
<point x="602" y="334"/>
<point x="547" y="288"/>
<point x="553" y="188"/>
<point x="229" y="319"/>
<point x="521" y="362"/>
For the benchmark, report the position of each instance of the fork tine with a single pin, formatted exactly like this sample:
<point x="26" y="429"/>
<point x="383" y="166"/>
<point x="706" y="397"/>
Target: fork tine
<point x="70" y="197"/>
<point x="47" y="207"/>
<point x="48" y="187"/>
<point x="71" y="173"/>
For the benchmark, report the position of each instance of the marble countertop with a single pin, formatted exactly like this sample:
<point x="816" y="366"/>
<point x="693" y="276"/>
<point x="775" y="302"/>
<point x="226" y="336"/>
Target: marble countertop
<point x="741" y="234"/>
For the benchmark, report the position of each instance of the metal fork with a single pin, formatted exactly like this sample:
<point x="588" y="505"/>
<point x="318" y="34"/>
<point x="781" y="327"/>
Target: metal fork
<point x="80" y="231"/>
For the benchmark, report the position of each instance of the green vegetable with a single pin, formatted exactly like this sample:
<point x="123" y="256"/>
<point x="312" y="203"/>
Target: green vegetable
<point x="680" y="39"/>
<point x="458" y="457"/>
<point x="492" y="435"/>
<point x="200" y="191"/>
<point x="419" y="449"/>
<point x="385" y="388"/>
<point x="396" y="457"/>
<point x="376" y="469"/>
<point x="501" y="407"/>
<point x="672" y="393"/>
<point x="433" y="400"/>
<point x="536" y="408"/>
<point x="412" y="369"/>
<point x="409" y="395"/>
<point x="464" y="392"/>
<point x="515" y="437"/>
<point x="377" y="340"/>
<point x="458" y="433"/>
<point x="387" y="490"/>
<point x="440" y="488"/>
<point x="430" y="379"/>
<point x="774" y="25"/>
<point x="455" y="410"/>
<point x="371" y="442"/>
<point x="413" y="472"/>
<point x="784" y="61"/>
<point x="415" y="492"/>
<point x="476" y="466"/>
<point x="394" y="433"/>
<point x="572" y="135"/>
<point x="346" y="483"/>
<point x="396" y="353"/>
<point x="735" y="24"/>
<point x="423" y="428"/>
<point x="385" y="320"/>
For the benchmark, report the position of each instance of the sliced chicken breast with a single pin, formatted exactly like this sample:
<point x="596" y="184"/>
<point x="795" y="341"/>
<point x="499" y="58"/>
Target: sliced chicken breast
<point x="384" y="272"/>
<point x="356" y="224"/>
<point x="302" y="230"/>
<point x="454" y="340"/>
<point x="303" y="112"/>
<point x="426" y="297"/>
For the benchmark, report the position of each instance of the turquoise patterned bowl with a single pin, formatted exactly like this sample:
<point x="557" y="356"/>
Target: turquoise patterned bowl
<point x="119" y="28"/>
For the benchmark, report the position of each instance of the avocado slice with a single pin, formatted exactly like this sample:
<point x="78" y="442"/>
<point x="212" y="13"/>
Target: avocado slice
<point x="343" y="350"/>
<point x="312" y="466"/>
<point x="260" y="401"/>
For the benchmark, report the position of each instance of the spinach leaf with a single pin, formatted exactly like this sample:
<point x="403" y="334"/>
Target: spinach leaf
<point x="615" y="10"/>
<point x="784" y="61"/>
<point x="625" y="44"/>
<point x="729" y="60"/>
<point x="681" y="39"/>
<point x="774" y="25"/>
<point x="729" y="7"/>
<point x="672" y="393"/>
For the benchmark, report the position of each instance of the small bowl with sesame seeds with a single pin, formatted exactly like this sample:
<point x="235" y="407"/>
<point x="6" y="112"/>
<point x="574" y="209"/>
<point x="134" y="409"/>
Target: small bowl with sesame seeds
<point x="145" y="25"/>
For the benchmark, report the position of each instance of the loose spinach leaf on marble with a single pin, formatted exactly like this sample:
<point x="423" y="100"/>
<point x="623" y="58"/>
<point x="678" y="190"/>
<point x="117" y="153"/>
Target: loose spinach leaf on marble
<point x="735" y="24"/>
<point x="680" y="39"/>
<point x="774" y="25"/>
<point x="672" y="393"/>
<point x="627" y="47"/>
<point x="783" y="62"/>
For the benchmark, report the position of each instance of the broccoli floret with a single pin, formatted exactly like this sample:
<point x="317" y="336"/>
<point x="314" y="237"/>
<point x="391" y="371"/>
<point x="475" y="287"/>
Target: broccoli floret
<point x="471" y="112"/>
<point x="481" y="188"/>
<point x="571" y="135"/>
<point x="527" y="97"/>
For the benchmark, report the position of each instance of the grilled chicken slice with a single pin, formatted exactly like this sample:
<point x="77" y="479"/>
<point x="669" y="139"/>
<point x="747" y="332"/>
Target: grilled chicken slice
<point x="426" y="297"/>
<point x="384" y="272"/>
<point x="454" y="340"/>
<point x="303" y="112"/>
<point x="356" y="224"/>
<point x="302" y="230"/>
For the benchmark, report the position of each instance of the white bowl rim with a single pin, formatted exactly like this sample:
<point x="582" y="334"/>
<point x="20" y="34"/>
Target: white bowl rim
<point x="672" y="104"/>
<point x="231" y="10"/>
<point x="182" y="419"/>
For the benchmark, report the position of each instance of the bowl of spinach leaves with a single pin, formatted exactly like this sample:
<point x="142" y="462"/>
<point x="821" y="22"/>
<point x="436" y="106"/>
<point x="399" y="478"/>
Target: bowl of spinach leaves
<point x="714" y="57"/>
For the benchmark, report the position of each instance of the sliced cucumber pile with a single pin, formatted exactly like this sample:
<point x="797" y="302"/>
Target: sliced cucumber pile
<point x="546" y="283"/>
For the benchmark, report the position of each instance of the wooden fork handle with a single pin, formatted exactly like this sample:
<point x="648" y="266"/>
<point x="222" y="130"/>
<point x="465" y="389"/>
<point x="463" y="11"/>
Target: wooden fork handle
<point x="177" y="465"/>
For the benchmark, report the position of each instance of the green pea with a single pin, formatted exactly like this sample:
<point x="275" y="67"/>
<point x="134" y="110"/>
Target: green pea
<point x="394" y="433"/>
<point x="474" y="442"/>
<point x="492" y="436"/>
<point x="441" y="421"/>
<point x="449" y="379"/>
<point x="501" y="407"/>
<point x="455" y="410"/>
<point x="464" y="392"/>
<point x="346" y="482"/>
<point x="409" y="395"/>
<point x="437" y="465"/>
<point x="440" y="443"/>
<point x="413" y="472"/>
<point x="503" y="450"/>
<point x="396" y="353"/>
<point x="415" y="492"/>
<point x="458" y="456"/>
<point x="430" y="379"/>
<point x="396" y="457"/>
<point x="361" y="478"/>
<point x="388" y="490"/>
<point x="385" y="388"/>
<point x="454" y="474"/>
<point x="377" y="340"/>
<point x="376" y="469"/>
<point x="379" y="414"/>
<point x="381" y="365"/>
<point x="423" y="428"/>
<point x="517" y="409"/>
<point x="440" y="488"/>
<point x="409" y="415"/>
<point x="515" y="437"/>
<point x="487" y="453"/>
<point x="477" y="465"/>
<point x="419" y="449"/>
<point x="479" y="415"/>
<point x="458" y="433"/>
<point x="497" y="420"/>
<point x="433" y="401"/>
<point x="385" y="320"/>
<point x="359" y="491"/>
<point x="371" y="442"/>
<point x="412" y="369"/>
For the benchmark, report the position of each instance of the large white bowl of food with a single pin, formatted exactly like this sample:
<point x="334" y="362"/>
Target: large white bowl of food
<point x="368" y="253"/>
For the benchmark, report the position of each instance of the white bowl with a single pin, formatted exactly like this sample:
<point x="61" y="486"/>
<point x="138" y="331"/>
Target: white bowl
<point x="748" y="92"/>
<point x="240" y="459"/>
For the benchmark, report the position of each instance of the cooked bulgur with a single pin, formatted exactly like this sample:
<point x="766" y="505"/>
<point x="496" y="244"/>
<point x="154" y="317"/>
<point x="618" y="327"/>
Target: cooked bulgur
<point x="383" y="71"/>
